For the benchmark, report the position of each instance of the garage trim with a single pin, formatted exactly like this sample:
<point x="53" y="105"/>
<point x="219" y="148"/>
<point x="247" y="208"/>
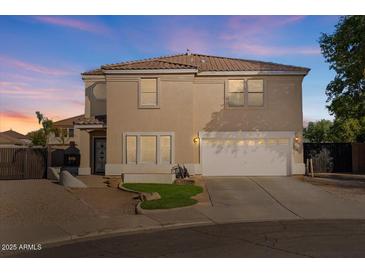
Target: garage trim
<point x="246" y="134"/>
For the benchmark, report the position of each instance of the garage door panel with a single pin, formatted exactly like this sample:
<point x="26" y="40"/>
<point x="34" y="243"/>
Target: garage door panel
<point x="244" y="157"/>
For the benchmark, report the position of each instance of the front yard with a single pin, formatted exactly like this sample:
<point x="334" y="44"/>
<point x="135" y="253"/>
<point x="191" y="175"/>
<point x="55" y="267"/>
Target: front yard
<point x="171" y="195"/>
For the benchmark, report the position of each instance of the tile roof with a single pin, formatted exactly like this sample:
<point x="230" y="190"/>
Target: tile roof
<point x="94" y="120"/>
<point x="12" y="137"/>
<point x="13" y="134"/>
<point x="199" y="62"/>
<point x="68" y="122"/>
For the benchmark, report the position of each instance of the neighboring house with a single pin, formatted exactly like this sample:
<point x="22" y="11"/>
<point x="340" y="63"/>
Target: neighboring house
<point x="217" y="116"/>
<point x="12" y="137"/>
<point x="65" y="132"/>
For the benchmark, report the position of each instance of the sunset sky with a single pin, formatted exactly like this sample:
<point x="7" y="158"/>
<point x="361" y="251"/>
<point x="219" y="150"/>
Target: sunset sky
<point x="41" y="57"/>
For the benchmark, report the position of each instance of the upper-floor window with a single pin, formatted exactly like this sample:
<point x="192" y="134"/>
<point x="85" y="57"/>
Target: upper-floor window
<point x="241" y="93"/>
<point x="255" y="90"/>
<point x="148" y="93"/>
<point x="235" y="93"/>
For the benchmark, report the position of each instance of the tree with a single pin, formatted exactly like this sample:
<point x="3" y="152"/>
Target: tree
<point x="344" y="50"/>
<point x="318" y="132"/>
<point x="38" y="138"/>
<point x="47" y="125"/>
<point x="349" y="130"/>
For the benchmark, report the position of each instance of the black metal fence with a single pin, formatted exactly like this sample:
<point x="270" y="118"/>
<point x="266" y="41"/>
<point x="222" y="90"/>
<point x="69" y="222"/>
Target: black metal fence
<point x="329" y="157"/>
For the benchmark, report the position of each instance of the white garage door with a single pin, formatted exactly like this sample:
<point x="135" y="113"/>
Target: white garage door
<point x="245" y="157"/>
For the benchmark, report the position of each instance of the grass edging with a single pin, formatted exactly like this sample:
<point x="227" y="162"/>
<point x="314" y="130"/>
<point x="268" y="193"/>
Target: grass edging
<point x="172" y="196"/>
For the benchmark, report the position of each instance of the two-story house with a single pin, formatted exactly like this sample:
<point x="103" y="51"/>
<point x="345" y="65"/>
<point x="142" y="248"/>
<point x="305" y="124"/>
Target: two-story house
<point x="217" y="116"/>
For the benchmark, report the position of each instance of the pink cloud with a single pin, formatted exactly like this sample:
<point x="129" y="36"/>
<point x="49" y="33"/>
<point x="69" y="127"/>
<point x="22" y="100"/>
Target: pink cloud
<point x="34" y="67"/>
<point x="71" y="23"/>
<point x="24" y="91"/>
<point x="265" y="50"/>
<point x="261" y="23"/>
<point x="17" y="115"/>
<point x="256" y="35"/>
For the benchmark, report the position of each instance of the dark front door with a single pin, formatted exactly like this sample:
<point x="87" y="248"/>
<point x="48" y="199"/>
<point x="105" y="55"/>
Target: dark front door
<point x="99" y="155"/>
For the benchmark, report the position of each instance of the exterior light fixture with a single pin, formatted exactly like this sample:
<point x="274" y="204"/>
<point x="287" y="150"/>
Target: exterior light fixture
<point x="296" y="139"/>
<point x="196" y="140"/>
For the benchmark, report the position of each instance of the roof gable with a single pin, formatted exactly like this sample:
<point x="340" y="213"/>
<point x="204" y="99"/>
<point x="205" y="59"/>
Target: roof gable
<point x="13" y="134"/>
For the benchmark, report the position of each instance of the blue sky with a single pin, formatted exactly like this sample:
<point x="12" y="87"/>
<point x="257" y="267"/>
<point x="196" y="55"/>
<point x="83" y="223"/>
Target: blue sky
<point x="41" y="57"/>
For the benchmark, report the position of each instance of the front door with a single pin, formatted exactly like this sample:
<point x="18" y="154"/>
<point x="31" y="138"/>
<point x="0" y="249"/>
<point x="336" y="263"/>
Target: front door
<point x="99" y="155"/>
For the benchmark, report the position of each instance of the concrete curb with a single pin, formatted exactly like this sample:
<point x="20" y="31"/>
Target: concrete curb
<point x="127" y="189"/>
<point x="341" y="183"/>
<point x="140" y="210"/>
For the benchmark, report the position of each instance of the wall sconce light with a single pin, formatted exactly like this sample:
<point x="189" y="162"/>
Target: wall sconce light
<point x="196" y="140"/>
<point x="296" y="143"/>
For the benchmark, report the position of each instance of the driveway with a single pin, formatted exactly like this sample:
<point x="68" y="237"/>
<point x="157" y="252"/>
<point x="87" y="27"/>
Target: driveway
<point x="275" y="198"/>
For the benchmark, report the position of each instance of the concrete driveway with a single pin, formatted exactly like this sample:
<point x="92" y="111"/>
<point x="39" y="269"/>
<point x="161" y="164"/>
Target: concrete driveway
<point x="275" y="198"/>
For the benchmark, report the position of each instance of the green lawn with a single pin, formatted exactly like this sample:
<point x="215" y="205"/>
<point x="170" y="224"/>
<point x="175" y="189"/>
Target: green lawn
<point x="171" y="195"/>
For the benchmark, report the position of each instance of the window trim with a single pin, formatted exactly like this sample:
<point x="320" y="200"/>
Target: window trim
<point x="68" y="132"/>
<point x="245" y="93"/>
<point x="227" y="92"/>
<point x="158" y="150"/>
<point x="263" y="93"/>
<point x="140" y="93"/>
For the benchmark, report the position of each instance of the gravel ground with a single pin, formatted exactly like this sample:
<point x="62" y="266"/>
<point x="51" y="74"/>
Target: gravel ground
<point x="41" y="201"/>
<point x="352" y="193"/>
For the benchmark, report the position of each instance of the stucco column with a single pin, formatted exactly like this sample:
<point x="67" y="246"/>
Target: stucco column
<point x="84" y="147"/>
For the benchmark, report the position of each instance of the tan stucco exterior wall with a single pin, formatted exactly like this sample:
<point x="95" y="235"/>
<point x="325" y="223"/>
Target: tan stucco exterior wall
<point x="175" y="114"/>
<point x="95" y="96"/>
<point x="282" y="109"/>
<point x="189" y="104"/>
<point x="84" y="147"/>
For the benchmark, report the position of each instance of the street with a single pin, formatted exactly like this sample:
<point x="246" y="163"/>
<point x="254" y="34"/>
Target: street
<point x="295" y="238"/>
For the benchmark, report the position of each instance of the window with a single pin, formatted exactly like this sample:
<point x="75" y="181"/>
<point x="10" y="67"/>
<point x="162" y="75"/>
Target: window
<point x="235" y="93"/>
<point x="71" y="132"/>
<point x="165" y="148"/>
<point x="148" y="96"/>
<point x="131" y="149"/>
<point x="64" y="132"/>
<point x="255" y="90"/>
<point x="149" y="148"/>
